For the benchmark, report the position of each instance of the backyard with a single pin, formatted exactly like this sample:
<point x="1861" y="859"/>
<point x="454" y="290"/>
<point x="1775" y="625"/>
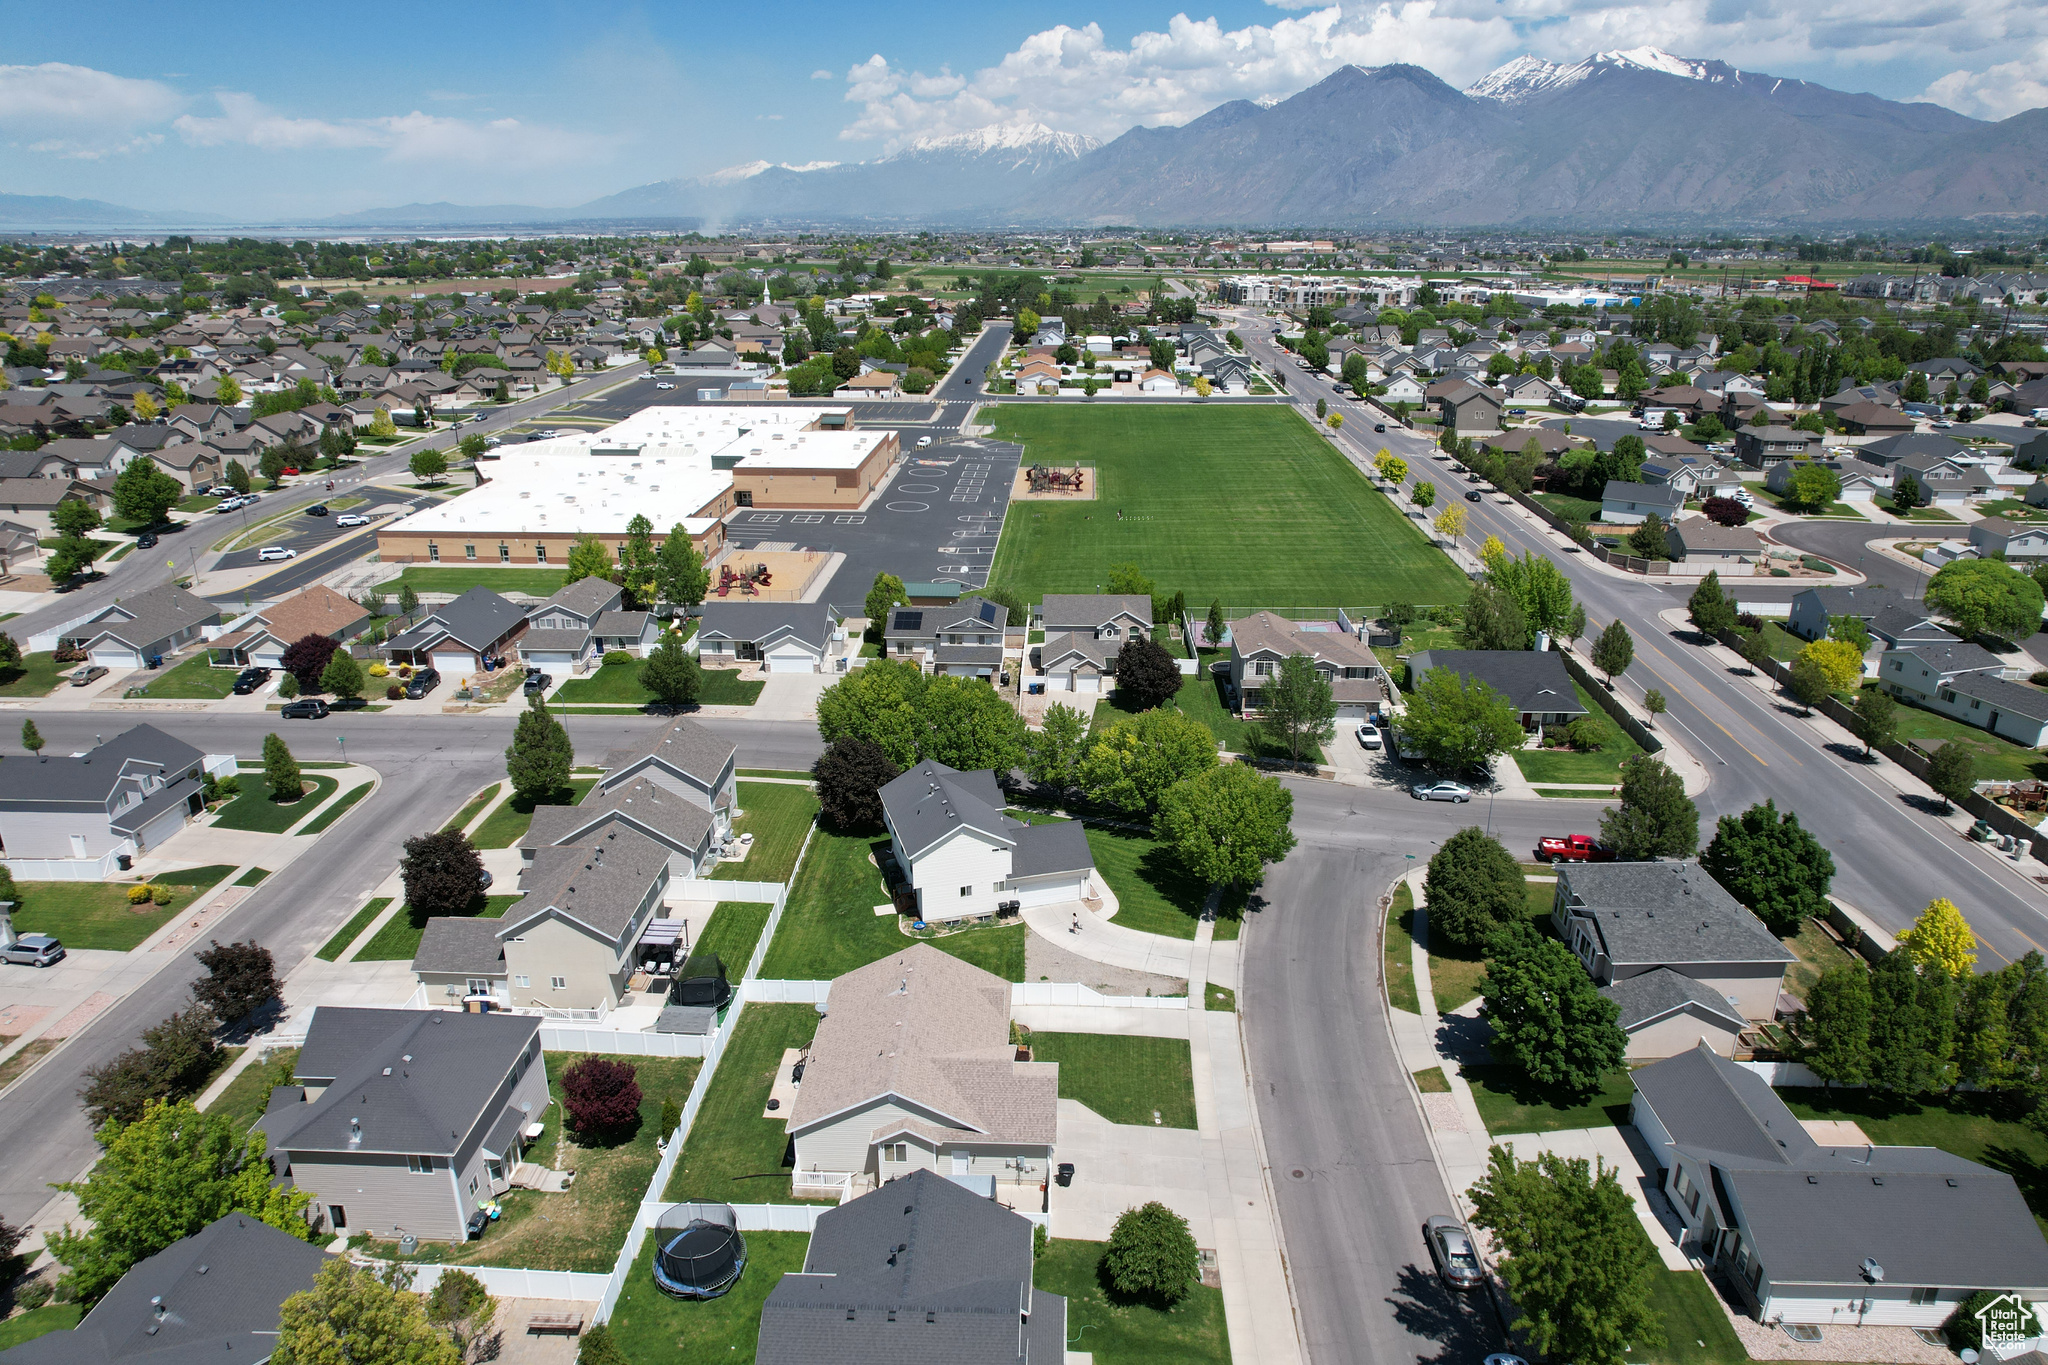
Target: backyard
<point x="254" y="810"/>
<point x="97" y="914"/>
<point x="1154" y="894"/>
<point x="778" y="815"/>
<point x="1302" y="526"/>
<point x="1118" y="1330"/>
<point x="735" y="927"/>
<point x="619" y="684"/>
<point x="248" y="1094"/>
<point x="1124" y="1078"/>
<point x="734" y="1154"/>
<point x="1996" y="758"/>
<point x="399" y="939"/>
<point x="650" y="1326"/>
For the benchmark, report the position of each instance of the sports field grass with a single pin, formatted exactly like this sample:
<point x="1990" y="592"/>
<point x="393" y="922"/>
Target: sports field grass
<point x="1246" y="504"/>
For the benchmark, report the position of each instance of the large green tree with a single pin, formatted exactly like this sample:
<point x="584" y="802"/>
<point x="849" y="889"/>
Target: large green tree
<point x="1877" y="719"/>
<point x="1459" y="725"/>
<point x="1053" y="752"/>
<point x="353" y="1316"/>
<point x="1133" y="762"/>
<point x="143" y="493"/>
<point x="344" y="675"/>
<point x="1474" y="888"/>
<point x="1772" y="864"/>
<point x="589" y="558"/>
<point x="679" y="574"/>
<point x="1146" y="675"/>
<point x="1952" y="772"/>
<point x="1226" y="823"/>
<point x="1151" y="1255"/>
<point x="1986" y="595"/>
<point x="540" y="755"/>
<point x="639" y="564"/>
<point x="1836" y="1028"/>
<point x="671" y="673"/>
<point x="1548" y="1017"/>
<point x="1493" y="620"/>
<point x="968" y="725"/>
<point x="1614" y="650"/>
<point x="1711" y="610"/>
<point x="884" y="593"/>
<point x="1912" y="1026"/>
<point x="1539" y="586"/>
<point x="429" y="465"/>
<point x="880" y="702"/>
<point x="1656" y="819"/>
<point x="1298" y="707"/>
<point x="850" y="775"/>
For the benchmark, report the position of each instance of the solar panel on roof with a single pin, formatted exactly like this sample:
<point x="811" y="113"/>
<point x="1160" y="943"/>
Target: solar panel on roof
<point x="910" y="620"/>
<point x="988" y="612"/>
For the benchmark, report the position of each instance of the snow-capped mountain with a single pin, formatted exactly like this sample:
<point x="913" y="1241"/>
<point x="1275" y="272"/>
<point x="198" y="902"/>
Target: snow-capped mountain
<point x="747" y="170"/>
<point x="1526" y="75"/>
<point x="1025" y="140"/>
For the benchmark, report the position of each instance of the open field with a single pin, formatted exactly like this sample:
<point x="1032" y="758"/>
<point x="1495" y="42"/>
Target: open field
<point x="1246" y="504"/>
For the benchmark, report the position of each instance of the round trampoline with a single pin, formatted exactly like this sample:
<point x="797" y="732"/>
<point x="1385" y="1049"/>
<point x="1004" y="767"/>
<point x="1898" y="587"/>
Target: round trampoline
<point x="698" y="1251"/>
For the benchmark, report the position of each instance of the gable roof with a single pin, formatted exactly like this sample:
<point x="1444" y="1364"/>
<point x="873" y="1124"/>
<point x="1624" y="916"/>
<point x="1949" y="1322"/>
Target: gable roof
<point x="478" y="619"/>
<point x="586" y="597"/>
<point x="1663" y="912"/>
<point x="643" y="804"/>
<point x="89" y="779"/>
<point x="1656" y="494"/>
<point x="318" y="610"/>
<point x="1070" y="611"/>
<point x="763" y="622"/>
<point x="1531" y="680"/>
<point x="599" y="882"/>
<point x="147" y="617"/>
<point x="685" y="746"/>
<point x="1263" y="632"/>
<point x="1702" y="533"/>
<point x="931" y="801"/>
<point x="1957" y="656"/>
<point x="1648" y="997"/>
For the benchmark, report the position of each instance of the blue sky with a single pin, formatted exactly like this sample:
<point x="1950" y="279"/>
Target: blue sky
<point x="294" y="111"/>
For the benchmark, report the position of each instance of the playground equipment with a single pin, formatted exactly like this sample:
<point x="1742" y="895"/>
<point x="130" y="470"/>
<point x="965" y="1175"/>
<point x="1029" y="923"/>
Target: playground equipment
<point x="1047" y="479"/>
<point x="749" y="581"/>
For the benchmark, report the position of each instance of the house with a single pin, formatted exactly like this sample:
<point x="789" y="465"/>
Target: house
<point x="572" y="941"/>
<point x="1684" y="959"/>
<point x="636" y="632"/>
<point x="125" y="796"/>
<point x="1946" y="481"/>
<point x="1630" y="504"/>
<point x="561" y="632"/>
<point x="150" y="625"/>
<point x="684" y="827"/>
<point x="1890" y="450"/>
<point x="261" y="637"/>
<point x="923" y="1269"/>
<point x="1762" y="447"/>
<point x="1683" y="473"/>
<point x="1535" y="682"/>
<point x="1470" y="408"/>
<point x="912" y="1069"/>
<point x="406" y="1121"/>
<point x="783" y="637"/>
<point x="965" y="639"/>
<point x="1966" y="681"/>
<point x="1889" y="617"/>
<point x="1083" y="632"/>
<point x="1873" y="419"/>
<point x="1794" y="1224"/>
<point x="1402" y="388"/>
<point x="458" y="637"/>
<point x="874" y="384"/>
<point x="1996" y="537"/>
<point x="32" y="501"/>
<point x="686" y="759"/>
<point x="222" y="1286"/>
<point x="1692" y="539"/>
<point x="1261" y="642"/>
<point x="962" y="858"/>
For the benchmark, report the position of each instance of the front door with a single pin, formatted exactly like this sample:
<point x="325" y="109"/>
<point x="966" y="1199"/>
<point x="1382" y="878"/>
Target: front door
<point x="960" y="1161"/>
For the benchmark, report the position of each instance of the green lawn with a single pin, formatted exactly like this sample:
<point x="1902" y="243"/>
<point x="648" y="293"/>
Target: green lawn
<point x="1783" y="644"/>
<point x="1919" y="513"/>
<point x="201" y="876"/>
<point x="1996" y="757"/>
<point x="734" y="929"/>
<point x="460" y="820"/>
<point x="460" y="579"/>
<point x="1120" y="1331"/>
<point x="773" y="772"/>
<point x="96" y="914"/>
<point x="35" y="676"/>
<point x="778" y="816"/>
<point x="1220" y="998"/>
<point x="830" y="925"/>
<point x="733" y="1154"/>
<point x="1567" y="506"/>
<point x="1401" y="993"/>
<point x="1301" y="525"/>
<point x="399" y="939"/>
<point x="254" y="810"/>
<point x="2012" y="509"/>
<point x="1154" y="895"/>
<point x="650" y="1326"/>
<point x="36" y="1322"/>
<point x="1509" y="1102"/>
<point x="508" y="824"/>
<point x="248" y="1094"/>
<point x="199" y="503"/>
<point x="1817" y="951"/>
<point x="1563" y="765"/>
<point x="1454" y="972"/>
<point x="1125" y="1079"/>
<point x="620" y="684"/>
<point x="1696" y="1330"/>
<point x="338" y="809"/>
<point x="194" y="680"/>
<point x="346" y="935"/>
<point x="1833" y="509"/>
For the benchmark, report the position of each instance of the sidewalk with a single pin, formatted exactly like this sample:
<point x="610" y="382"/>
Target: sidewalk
<point x="1081" y="928"/>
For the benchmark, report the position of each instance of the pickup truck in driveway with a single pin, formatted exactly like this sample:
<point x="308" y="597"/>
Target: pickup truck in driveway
<point x="1573" y="848"/>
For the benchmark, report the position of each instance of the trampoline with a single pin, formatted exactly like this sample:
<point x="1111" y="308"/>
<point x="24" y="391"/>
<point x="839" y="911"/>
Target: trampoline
<point x="701" y="981"/>
<point x="698" y="1251"/>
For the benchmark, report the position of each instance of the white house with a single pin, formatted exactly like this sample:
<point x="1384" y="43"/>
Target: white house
<point x="784" y="637"/>
<point x="962" y="858"/>
<point x="1965" y="681"/>
<point x="1628" y="504"/>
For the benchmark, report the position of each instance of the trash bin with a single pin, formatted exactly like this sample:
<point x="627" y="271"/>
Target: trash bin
<point x="123" y="861"/>
<point x="1064" y="1176"/>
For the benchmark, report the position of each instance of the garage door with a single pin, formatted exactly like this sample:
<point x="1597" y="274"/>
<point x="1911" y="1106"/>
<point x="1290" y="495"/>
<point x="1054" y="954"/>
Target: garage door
<point x="1087" y="682"/>
<point x="161" y="828"/>
<point x="1353" y="711"/>
<point x="1048" y="893"/>
<point x="115" y="657"/>
<point x="455" y="666"/>
<point x="546" y="658"/>
<point x="792" y="661"/>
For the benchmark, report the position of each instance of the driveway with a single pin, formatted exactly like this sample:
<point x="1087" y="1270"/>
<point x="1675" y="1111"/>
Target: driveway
<point x="1619" y="1149"/>
<point x="1119" y="1166"/>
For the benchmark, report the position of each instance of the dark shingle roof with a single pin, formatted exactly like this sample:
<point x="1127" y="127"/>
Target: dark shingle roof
<point x="1056" y="846"/>
<point x="932" y="800"/>
<point x="600" y="883"/>
<point x="1650" y="996"/>
<point x="685" y="746"/>
<point x="1959" y="656"/>
<point x="764" y="622"/>
<point x="586" y="597"/>
<point x="478" y="618"/>
<point x="458" y="944"/>
<point x="1532" y="680"/>
<point x="1666" y="912"/>
<point x="90" y="779"/>
<point x="2017" y="698"/>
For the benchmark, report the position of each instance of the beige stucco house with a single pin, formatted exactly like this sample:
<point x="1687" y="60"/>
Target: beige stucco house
<point x="686" y="759"/>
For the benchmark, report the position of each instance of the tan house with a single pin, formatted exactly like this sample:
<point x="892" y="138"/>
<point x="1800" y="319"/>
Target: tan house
<point x="1261" y="642"/>
<point x="913" y="1069"/>
<point x="874" y="384"/>
<point x="261" y="638"/>
<point x="681" y="825"/>
<point x="685" y="759"/>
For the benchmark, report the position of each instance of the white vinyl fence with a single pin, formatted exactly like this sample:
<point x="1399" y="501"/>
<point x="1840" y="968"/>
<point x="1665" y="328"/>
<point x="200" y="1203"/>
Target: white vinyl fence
<point x="66" y="869"/>
<point x="785" y="992"/>
<point x="505" y="1282"/>
<point x="621" y="1042"/>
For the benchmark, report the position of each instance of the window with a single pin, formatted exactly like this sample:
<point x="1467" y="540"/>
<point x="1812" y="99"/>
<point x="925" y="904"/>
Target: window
<point x="1976" y="705"/>
<point x="966" y="890"/>
<point x="472" y="1184"/>
<point x="420" y="1165"/>
<point x="1922" y="1297"/>
<point x="337" y="1217"/>
<point x="469" y="552"/>
<point x="504" y="554"/>
<point x="479" y="985"/>
<point x="1262" y="669"/>
<point x="896" y="1151"/>
<point x="433" y="552"/>
<point x="560" y="983"/>
<point x="522" y="981"/>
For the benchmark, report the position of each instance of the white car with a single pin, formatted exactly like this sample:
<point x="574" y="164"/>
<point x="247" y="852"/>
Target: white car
<point x="226" y="505"/>
<point x="664" y="386"/>
<point x="352" y="519"/>
<point x="274" y="552"/>
<point x="1368" y="736"/>
<point x="923" y="441"/>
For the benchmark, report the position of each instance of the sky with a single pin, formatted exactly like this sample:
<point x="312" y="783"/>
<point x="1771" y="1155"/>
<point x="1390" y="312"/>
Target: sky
<point x="291" y="112"/>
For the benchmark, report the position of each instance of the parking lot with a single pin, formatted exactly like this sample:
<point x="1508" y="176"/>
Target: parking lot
<point x="939" y="518"/>
<point x="302" y="532"/>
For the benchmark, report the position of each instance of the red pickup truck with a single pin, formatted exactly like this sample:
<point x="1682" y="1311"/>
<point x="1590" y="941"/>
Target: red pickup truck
<point x="1573" y="848"/>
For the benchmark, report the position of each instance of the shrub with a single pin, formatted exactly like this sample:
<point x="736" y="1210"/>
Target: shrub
<point x="34" y="1294"/>
<point x="160" y="894"/>
<point x="671" y="1117"/>
<point x="288" y="687"/>
<point x="378" y="670"/>
<point x="394" y="693"/>
<point x="1151" y="1254"/>
<point x="602" y="1097"/>
<point x="1585" y="734"/>
<point x="2039" y="678"/>
<point x="618" y="656"/>
<point x="1749" y="620"/>
<point x="138" y="894"/>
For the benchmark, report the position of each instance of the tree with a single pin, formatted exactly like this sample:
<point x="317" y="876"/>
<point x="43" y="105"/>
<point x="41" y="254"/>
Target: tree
<point x="1850" y="628"/>
<point x="639" y="564"/>
<point x="75" y="517"/>
<point x="460" y="1306"/>
<point x="1450" y="523"/>
<point x="603" y="1100"/>
<point x="671" y="673"/>
<point x="599" y="1347"/>
<point x="343" y="675"/>
<point x="1493" y="620"/>
<point x="1146" y="674"/>
<point x="589" y="558"/>
<point x="408" y="600"/>
<point x="1656" y="818"/>
<point x="886" y="593"/>
<point x="174" y="1061"/>
<point x="1808" y="682"/>
<point x="1772" y="864"/>
<point x="238" y="476"/>
<point x="1614" y="651"/>
<point x="1226" y="823"/>
<point x="1908" y="493"/>
<point x="1151" y="1254"/>
<point x="1839" y="661"/>
<point x="679" y="573"/>
<point x="1423" y="495"/>
<point x="442" y="873"/>
<point x="1725" y="512"/>
<point x="1548" y="1017"/>
<point x="1941" y="940"/>
<point x="1654" y="703"/>
<point x="428" y="465"/>
<point x="163" y="1176"/>
<point x="1837" y="1025"/>
<point x="1911" y="1025"/>
<point x="240" y="980"/>
<point x="850" y="775"/>
<point x="1573" y="1255"/>
<point x="1129" y="580"/>
<point x="227" y="390"/>
<point x="1541" y="588"/>
<point x="1986" y="595"/>
<point x="1133" y="763"/>
<point x="1299" y="706"/>
<point x="1952" y="772"/>
<point x="1712" y="612"/>
<point x="72" y="556"/>
<point x="1053" y="753"/>
<point x="31" y="738"/>
<point x="352" y="1317"/>
<point x="1474" y="887"/>
<point x="281" y="770"/>
<point x="1813" y="487"/>
<point x="143" y="493"/>
<point x="1214" y="626"/>
<point x="1647" y="541"/>
<point x="1876" y="720"/>
<point x="882" y="703"/>
<point x="1459" y="725"/>
<point x="307" y="657"/>
<point x="540" y="755"/>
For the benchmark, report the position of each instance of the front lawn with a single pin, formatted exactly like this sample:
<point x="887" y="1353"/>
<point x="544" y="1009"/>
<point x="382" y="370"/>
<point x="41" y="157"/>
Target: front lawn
<point x="1568" y="766"/>
<point x="347" y="934"/>
<point x="1118" y="1330"/>
<point x="1509" y="1102"/>
<point x="733" y="1154"/>
<point x="507" y="825"/>
<point x="1996" y="757"/>
<point x="1920" y="513"/>
<point x="1155" y="895"/>
<point x="248" y="1094"/>
<point x="778" y="815"/>
<point x="460" y="579"/>
<point x="194" y="680"/>
<point x="619" y="684"/>
<point x="95" y="914"/>
<point x="460" y="820"/>
<point x="650" y="1326"/>
<point x="35" y="676"/>
<point x="1200" y="698"/>
<point x="735" y="927"/>
<point x="51" y="1317"/>
<point x="1833" y="509"/>
<point x="1454" y="972"/>
<point x="399" y="939"/>
<point x="1124" y="1078"/>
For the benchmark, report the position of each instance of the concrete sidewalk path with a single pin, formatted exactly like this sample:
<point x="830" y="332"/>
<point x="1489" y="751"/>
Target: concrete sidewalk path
<point x="1078" y="929"/>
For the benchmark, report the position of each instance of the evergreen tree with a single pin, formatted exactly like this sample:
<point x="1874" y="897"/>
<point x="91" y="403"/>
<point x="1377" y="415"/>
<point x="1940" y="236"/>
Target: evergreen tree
<point x="1898" y="1031"/>
<point x="540" y="755"/>
<point x="344" y="675"/>
<point x="31" y="738"/>
<point x="281" y="770"/>
<point x="671" y="673"/>
<point x="1710" y="608"/>
<point x="1215" y="625"/>
<point x="1952" y="772"/>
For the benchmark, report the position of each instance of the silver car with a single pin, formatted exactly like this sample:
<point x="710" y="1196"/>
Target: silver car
<point x="1450" y="1246"/>
<point x="33" y="950"/>
<point x="1442" y="791"/>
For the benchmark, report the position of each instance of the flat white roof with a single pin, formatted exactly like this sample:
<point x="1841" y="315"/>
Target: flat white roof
<point x="811" y="449"/>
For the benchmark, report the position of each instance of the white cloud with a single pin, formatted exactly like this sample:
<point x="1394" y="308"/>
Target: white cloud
<point x="1996" y="92"/>
<point x="415" y="137"/>
<point x="76" y="111"/>
<point x="245" y="120"/>
<point x="821" y="74"/>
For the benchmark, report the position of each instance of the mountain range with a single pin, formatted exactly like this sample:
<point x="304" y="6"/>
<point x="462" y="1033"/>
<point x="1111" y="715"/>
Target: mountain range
<point x="1630" y="139"/>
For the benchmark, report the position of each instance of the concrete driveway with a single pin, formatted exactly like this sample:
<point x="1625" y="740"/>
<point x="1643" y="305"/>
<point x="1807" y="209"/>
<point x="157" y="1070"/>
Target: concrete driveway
<point x="1119" y="1166"/>
<point x="1623" y="1150"/>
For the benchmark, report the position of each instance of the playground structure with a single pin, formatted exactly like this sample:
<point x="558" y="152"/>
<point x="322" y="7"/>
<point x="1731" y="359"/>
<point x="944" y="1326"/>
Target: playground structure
<point x="769" y="572"/>
<point x="1051" y="483"/>
<point x="1054" y="480"/>
<point x="748" y="580"/>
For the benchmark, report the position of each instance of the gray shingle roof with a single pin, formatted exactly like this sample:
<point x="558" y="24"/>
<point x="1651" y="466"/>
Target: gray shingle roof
<point x="536" y="640"/>
<point x="1534" y="681"/>
<point x="616" y="624"/>
<point x="919" y="1272"/>
<point x="479" y="618"/>
<point x="1666" y="912"/>
<point x="90" y="780"/>
<point x="685" y="746"/>
<point x="2017" y="698"/>
<point x="654" y="810"/>
<point x="152" y="616"/>
<point x="1057" y="647"/>
<point x="1055" y="846"/>
<point x="460" y="944"/>
<point x="1959" y="656"/>
<point x="586" y="597"/>
<point x="600" y="883"/>
<point x="932" y="800"/>
<point x="1087" y="610"/>
<point x="1650" y="996"/>
<point x="445" y="1069"/>
<point x="765" y="622"/>
<point x="1656" y="494"/>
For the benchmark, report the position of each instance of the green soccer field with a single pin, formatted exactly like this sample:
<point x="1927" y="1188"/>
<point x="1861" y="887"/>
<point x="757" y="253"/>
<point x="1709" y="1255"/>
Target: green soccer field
<point x="1243" y="503"/>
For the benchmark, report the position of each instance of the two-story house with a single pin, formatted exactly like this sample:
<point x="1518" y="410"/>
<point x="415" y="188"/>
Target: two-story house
<point x="1968" y="682"/>
<point x="964" y="640"/>
<point x="962" y="858"/>
<point x="685" y="759"/>
<point x="408" y="1120"/>
<point x="1630" y="504"/>
<point x="1261" y="642"/>
<point x="562" y="631"/>
<point x="2000" y="538"/>
<point x="1891" y="619"/>
<point x="1762" y="447"/>
<point x="127" y="795"/>
<point x="1084" y="632"/>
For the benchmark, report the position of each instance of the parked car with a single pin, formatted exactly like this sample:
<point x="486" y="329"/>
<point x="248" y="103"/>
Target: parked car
<point x="145" y="540"/>
<point x="318" y="509"/>
<point x="538" y="682"/>
<point x="305" y="708"/>
<point x="1368" y="736"/>
<point x="91" y="673"/>
<point x="352" y="519"/>
<point x="291" y="469"/>
<point x="1518" y="412"/>
<point x="1573" y="848"/>
<point x="1379" y="426"/>
<point x="249" y="679"/>
<point x="423" y="682"/>
<point x="923" y="441"/>
<point x="226" y="505"/>
<point x="1442" y="791"/>
<point x="1450" y="1246"/>
<point x="270" y="553"/>
<point x="483" y="881"/>
<point x="664" y="386"/>
<point x="33" y="950"/>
